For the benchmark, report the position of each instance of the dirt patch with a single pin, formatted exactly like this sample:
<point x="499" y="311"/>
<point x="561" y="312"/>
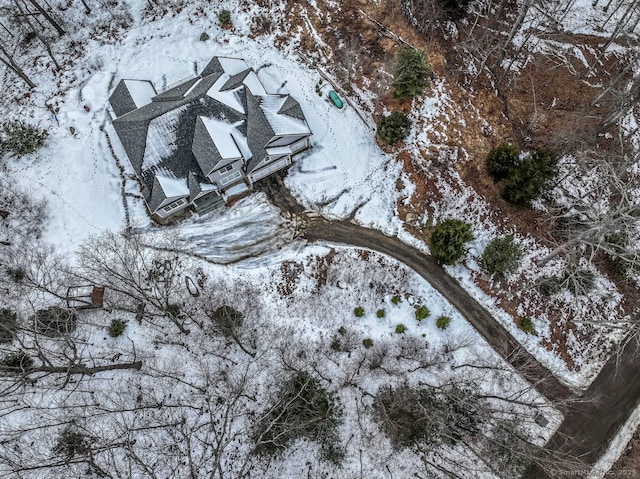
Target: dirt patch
<point x="548" y="104"/>
<point x="628" y="462"/>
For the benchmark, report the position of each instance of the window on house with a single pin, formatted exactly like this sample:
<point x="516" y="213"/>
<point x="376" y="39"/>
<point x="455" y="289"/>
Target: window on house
<point x="226" y="169"/>
<point x="174" y="205"/>
<point x="230" y="178"/>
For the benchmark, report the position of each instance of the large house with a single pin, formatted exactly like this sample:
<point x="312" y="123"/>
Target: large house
<point x="207" y="138"/>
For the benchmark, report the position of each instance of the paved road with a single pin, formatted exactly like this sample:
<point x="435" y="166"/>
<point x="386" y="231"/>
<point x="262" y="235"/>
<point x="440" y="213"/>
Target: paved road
<point x="591" y="420"/>
<point x="590" y="425"/>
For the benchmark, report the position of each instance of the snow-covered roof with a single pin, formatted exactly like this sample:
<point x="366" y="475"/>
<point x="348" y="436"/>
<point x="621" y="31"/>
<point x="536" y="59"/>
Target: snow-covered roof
<point x="233" y="66"/>
<point x="254" y="84"/>
<point x="279" y="150"/>
<point x="171" y="186"/>
<point x="231" y="98"/>
<point x="222" y="134"/>
<point x="281" y="124"/>
<point x="141" y="91"/>
<point x="161" y="138"/>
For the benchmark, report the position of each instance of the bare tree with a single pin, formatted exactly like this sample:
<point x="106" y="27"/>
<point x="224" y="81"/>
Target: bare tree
<point x="54" y="23"/>
<point x="604" y="218"/>
<point x="8" y="60"/>
<point x="140" y="278"/>
<point x="32" y="28"/>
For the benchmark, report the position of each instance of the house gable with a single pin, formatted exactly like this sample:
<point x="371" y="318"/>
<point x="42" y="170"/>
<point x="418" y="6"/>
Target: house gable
<point x="203" y="148"/>
<point x="292" y="108"/>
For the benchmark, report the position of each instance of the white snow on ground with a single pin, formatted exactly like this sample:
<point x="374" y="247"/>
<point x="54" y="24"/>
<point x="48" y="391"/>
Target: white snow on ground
<point x="74" y="172"/>
<point x="585" y="18"/>
<point x="343" y="172"/>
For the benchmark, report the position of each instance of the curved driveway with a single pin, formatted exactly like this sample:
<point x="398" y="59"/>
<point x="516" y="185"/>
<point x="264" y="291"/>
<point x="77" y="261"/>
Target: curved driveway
<point x="591" y="420"/>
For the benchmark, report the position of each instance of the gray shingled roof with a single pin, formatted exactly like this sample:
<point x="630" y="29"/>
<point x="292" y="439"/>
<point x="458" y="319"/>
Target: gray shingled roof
<point x="192" y="154"/>
<point x="121" y="100"/>
<point x="259" y="131"/>
<point x="193" y="181"/>
<point x="212" y="67"/>
<point x="177" y="92"/>
<point x="236" y="80"/>
<point x="204" y="149"/>
<point x="157" y="195"/>
<point x="292" y="108"/>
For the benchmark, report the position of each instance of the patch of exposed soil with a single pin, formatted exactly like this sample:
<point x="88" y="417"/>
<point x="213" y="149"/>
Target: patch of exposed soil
<point x="627" y="464"/>
<point x="548" y="104"/>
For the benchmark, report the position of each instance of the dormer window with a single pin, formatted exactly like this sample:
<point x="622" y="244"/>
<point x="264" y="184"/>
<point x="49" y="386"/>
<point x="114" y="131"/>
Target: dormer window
<point x="226" y="169"/>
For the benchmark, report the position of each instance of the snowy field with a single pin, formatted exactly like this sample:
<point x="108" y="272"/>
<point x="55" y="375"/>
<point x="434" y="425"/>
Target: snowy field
<point x="344" y="173"/>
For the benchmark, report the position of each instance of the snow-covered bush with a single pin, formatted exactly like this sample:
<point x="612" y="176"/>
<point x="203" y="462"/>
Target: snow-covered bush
<point x="20" y="138"/>
<point x="55" y="321"/>
<point x="358" y="311"/>
<point x="302" y="408"/>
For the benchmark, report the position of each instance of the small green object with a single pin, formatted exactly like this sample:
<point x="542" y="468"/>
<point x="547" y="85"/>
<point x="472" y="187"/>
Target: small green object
<point x="400" y="329"/>
<point x="422" y="312"/>
<point x="336" y="99"/>
<point x="224" y="17"/>
<point x="380" y="313"/>
<point x="526" y="324"/>
<point x="367" y="343"/>
<point x="117" y="327"/>
<point x="443" y="322"/>
<point x="396" y="299"/>
<point x="359" y="311"/>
